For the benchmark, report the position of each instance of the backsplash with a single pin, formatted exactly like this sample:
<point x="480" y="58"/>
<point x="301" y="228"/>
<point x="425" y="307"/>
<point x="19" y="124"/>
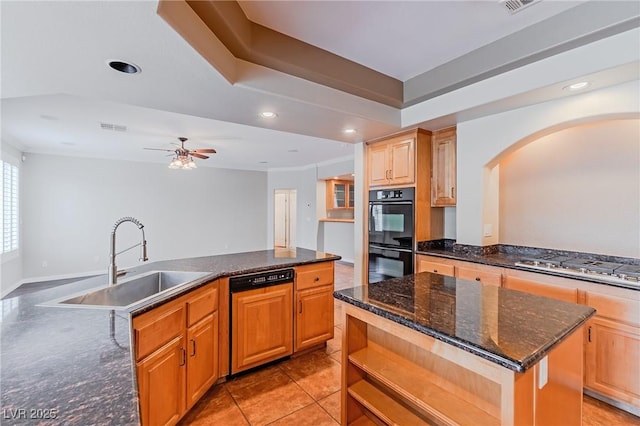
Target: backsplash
<point x="517" y="251"/>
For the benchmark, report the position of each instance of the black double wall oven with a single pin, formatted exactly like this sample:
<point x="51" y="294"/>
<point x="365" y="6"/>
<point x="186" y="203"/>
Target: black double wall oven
<point x="391" y="236"/>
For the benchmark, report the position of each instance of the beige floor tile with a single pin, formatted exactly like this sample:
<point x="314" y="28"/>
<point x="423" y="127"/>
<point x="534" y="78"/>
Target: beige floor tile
<point x="337" y="356"/>
<point x="267" y="395"/>
<point x="331" y="404"/>
<point x="216" y="407"/>
<point x="316" y="372"/>
<point x="311" y="415"/>
<point x="335" y="344"/>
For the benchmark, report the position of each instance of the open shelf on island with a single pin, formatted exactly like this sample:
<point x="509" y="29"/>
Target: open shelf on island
<point x="418" y="387"/>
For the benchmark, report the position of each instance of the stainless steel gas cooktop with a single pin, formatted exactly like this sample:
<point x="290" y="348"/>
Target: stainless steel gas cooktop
<point x="621" y="274"/>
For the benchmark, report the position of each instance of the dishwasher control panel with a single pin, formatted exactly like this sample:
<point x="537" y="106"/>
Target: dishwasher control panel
<point x="264" y="279"/>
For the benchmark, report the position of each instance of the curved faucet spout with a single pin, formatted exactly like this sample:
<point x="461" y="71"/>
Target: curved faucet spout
<point x="113" y="269"/>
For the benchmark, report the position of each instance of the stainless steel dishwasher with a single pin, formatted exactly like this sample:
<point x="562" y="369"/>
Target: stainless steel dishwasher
<point x="261" y="318"/>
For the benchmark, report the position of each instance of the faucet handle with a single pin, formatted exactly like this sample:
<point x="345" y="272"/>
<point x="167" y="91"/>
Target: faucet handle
<point x="143" y="255"/>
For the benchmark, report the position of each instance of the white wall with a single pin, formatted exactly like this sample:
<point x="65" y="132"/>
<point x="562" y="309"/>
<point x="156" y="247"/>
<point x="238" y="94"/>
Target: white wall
<point x="304" y="182"/>
<point x="576" y="189"/>
<point x="11" y="263"/>
<point x="71" y="204"/>
<point x="484" y="141"/>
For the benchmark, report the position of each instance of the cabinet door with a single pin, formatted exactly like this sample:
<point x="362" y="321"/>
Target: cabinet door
<point x="161" y="381"/>
<point x="202" y="359"/>
<point x="314" y="316"/>
<point x="350" y="196"/>
<point x="262" y="326"/>
<point x="378" y="165"/>
<point x="485" y="277"/>
<point x="612" y="354"/>
<point x="443" y="183"/>
<point x="402" y="164"/>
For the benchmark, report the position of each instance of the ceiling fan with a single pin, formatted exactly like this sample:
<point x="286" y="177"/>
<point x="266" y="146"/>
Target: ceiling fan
<point x="183" y="157"/>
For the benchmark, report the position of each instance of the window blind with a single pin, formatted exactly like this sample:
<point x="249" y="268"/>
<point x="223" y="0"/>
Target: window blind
<point x="10" y="203"/>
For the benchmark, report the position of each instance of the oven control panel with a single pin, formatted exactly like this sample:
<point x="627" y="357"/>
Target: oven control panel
<point x="403" y="194"/>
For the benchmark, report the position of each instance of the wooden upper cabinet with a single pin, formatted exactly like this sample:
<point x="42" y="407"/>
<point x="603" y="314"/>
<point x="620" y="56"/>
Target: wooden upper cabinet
<point x="392" y="161"/>
<point x="339" y="194"/>
<point x="443" y="178"/>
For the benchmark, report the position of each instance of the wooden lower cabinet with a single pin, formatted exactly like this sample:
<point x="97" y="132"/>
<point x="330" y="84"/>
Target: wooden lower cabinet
<point x="176" y="347"/>
<point x="262" y="326"/>
<point x="161" y="378"/>
<point x="612" y="360"/>
<point x="313" y="305"/>
<point x="612" y="337"/>
<point x="314" y="317"/>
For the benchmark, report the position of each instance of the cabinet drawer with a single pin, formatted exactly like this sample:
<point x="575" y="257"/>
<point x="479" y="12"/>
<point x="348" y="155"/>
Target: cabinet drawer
<point x="617" y="308"/>
<point x="203" y="302"/>
<point x="315" y="275"/>
<point x="559" y="293"/>
<point x="155" y="328"/>
<point x="436" y="268"/>
<point x="485" y="277"/>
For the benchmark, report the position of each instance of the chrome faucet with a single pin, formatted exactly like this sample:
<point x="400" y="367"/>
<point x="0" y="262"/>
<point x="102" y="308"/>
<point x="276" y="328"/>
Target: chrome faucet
<point x="113" y="269"/>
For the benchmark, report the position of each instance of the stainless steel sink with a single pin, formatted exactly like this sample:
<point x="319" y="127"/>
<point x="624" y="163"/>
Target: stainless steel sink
<point x="130" y="292"/>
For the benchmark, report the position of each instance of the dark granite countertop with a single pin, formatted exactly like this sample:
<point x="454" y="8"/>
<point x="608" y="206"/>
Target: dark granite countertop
<point x="506" y="256"/>
<point x="511" y="328"/>
<point x="63" y="363"/>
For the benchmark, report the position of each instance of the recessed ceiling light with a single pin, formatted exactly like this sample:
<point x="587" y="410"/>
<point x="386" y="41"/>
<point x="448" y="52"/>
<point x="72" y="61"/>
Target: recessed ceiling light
<point x="349" y="131"/>
<point x="268" y="114"/>
<point x="124" y="67"/>
<point x="293" y="150"/>
<point x="263" y="162"/>
<point x="577" y="86"/>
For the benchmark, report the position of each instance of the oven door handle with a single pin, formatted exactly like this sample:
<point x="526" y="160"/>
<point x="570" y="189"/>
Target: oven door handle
<point x="391" y="248"/>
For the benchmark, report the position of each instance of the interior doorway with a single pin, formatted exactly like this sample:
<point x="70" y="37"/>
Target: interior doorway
<point x="284" y="218"/>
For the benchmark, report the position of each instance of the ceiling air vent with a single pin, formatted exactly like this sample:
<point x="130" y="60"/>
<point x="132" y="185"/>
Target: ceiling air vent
<point x="114" y="127"/>
<point x="513" y="6"/>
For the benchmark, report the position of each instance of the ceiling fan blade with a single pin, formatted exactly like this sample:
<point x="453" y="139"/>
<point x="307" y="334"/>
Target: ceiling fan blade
<point x="195" y="154"/>
<point x="205" y="151"/>
<point x="159" y="149"/>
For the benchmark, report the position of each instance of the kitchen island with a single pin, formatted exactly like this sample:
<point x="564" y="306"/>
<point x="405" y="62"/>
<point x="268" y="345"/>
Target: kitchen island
<point x="67" y="366"/>
<point x="428" y="348"/>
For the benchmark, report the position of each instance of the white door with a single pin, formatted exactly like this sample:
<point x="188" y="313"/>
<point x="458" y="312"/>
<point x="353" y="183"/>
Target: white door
<point x="284" y="217"/>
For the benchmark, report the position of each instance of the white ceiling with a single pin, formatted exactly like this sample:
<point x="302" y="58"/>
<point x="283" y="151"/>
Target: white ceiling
<point x="56" y="87"/>
<point x="398" y="38"/>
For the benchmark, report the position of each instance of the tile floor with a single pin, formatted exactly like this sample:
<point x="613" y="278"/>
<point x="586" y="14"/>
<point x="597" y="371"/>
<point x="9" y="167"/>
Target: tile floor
<point x="306" y="390"/>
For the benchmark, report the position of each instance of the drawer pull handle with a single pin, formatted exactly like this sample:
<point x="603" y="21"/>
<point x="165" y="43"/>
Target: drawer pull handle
<point x="435" y="271"/>
<point x="477" y="278"/>
<point x="184" y="357"/>
<point x="316" y="279"/>
<point x="300" y="310"/>
<point x="193" y="347"/>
